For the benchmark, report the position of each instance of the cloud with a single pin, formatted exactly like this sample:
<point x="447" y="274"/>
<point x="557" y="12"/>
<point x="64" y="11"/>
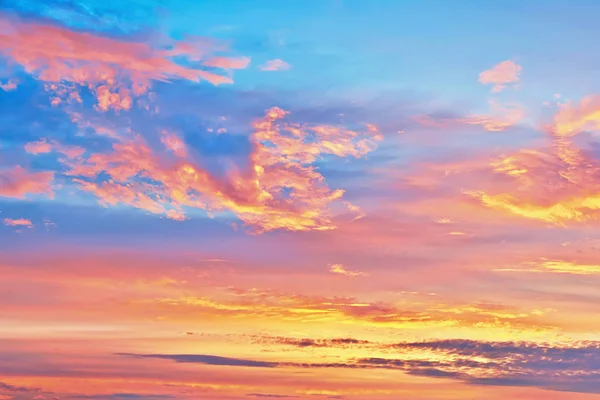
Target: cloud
<point x="43" y="146"/>
<point x="557" y="183"/>
<point x="126" y="396"/>
<point x="500" y="75"/>
<point x="275" y="65"/>
<point x="555" y="267"/>
<point x="309" y="342"/>
<point x="281" y="189"/>
<point x="206" y="359"/>
<point x="228" y="63"/>
<point x="174" y="144"/>
<point x="11" y="84"/>
<point x="340" y="269"/>
<point x="17" y="182"/>
<point x="571" y="120"/>
<point x="21" y="222"/>
<point x="564" y="367"/>
<point x="500" y="118"/>
<point x="116" y="71"/>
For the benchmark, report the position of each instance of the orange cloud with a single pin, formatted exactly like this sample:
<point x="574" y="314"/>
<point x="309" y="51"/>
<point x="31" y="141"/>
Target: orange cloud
<point x="18" y="222"/>
<point x="571" y="120"/>
<point x="500" y="75"/>
<point x="275" y="65"/>
<point x="114" y="70"/>
<point x="282" y="189"/>
<point x="559" y="184"/>
<point x="18" y="182"/>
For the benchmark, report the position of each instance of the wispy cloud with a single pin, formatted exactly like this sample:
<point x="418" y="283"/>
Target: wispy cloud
<point x="275" y="65"/>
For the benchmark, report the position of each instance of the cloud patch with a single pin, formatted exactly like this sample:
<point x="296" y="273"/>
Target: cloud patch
<point x="500" y="75"/>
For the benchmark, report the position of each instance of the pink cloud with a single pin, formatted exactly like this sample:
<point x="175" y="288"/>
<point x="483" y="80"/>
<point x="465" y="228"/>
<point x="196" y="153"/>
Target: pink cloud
<point x="174" y="143"/>
<point x="11" y="84"/>
<point x="21" y="222"/>
<point x="18" y="182"/>
<point x="500" y="75"/>
<point x="43" y="146"/>
<point x="275" y="65"/>
<point x="114" y="70"/>
<point x="228" y="63"/>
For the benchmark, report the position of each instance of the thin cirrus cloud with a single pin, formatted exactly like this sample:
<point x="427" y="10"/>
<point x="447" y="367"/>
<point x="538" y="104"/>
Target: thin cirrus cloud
<point x="501" y="75"/>
<point x="275" y="65"/>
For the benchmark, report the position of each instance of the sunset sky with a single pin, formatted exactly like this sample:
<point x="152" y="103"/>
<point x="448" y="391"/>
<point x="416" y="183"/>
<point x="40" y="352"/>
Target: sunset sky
<point x="317" y="199"/>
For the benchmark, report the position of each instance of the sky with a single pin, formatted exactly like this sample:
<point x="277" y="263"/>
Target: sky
<point x="319" y="199"/>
